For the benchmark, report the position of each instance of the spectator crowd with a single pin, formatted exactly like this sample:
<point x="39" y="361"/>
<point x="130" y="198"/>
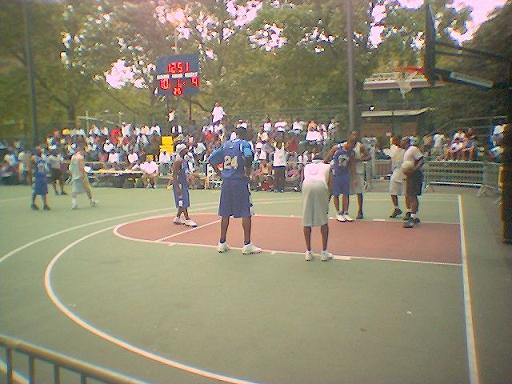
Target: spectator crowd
<point x="281" y="149"/>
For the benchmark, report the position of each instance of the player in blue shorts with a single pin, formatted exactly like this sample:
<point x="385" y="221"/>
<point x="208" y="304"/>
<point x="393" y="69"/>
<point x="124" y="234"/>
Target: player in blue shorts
<point x="341" y="157"/>
<point x="235" y="199"/>
<point x="40" y="180"/>
<point x="180" y="186"/>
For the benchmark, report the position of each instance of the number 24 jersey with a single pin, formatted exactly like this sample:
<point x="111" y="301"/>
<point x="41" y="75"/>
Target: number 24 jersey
<point x="232" y="155"/>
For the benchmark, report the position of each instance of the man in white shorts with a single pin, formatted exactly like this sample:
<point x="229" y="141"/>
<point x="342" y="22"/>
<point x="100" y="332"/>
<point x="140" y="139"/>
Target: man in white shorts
<point x="397" y="151"/>
<point x="316" y="189"/>
<point x="79" y="179"/>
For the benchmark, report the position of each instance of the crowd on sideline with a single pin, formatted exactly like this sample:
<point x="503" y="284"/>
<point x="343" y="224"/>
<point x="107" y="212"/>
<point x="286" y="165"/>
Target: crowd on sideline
<point x="464" y="145"/>
<point x="281" y="149"/>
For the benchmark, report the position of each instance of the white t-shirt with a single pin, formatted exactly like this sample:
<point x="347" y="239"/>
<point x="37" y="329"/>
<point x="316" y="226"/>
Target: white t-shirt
<point x="149" y="167"/>
<point x="460" y="136"/>
<point x="108" y="147"/>
<point x="218" y="114"/>
<point x="316" y="171"/>
<point x="397" y="158"/>
<point x="113" y="157"/>
<point x="359" y="167"/>
<point x="155" y="128"/>
<point x="314" y="136"/>
<point x="412" y="154"/>
<point x="164" y="158"/>
<point x="199" y="149"/>
<point x="298" y="125"/>
<point x="438" y="140"/>
<point x="279" y="157"/>
<point x="133" y="157"/>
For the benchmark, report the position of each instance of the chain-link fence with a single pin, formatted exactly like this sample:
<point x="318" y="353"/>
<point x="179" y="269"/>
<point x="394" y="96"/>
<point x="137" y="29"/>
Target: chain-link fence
<point x="485" y="175"/>
<point x="491" y="181"/>
<point x="459" y="173"/>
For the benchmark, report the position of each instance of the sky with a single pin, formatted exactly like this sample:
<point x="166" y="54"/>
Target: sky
<point x="481" y="10"/>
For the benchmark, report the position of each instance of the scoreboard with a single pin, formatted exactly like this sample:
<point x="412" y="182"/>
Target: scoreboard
<point x="178" y="75"/>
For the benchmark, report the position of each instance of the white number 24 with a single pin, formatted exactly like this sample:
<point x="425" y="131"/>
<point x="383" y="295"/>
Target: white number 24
<point x="230" y="162"/>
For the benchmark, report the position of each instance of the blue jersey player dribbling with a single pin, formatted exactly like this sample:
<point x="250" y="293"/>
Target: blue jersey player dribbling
<point x="235" y="199"/>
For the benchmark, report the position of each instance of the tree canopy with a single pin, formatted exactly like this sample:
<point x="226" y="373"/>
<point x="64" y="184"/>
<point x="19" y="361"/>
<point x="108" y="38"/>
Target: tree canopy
<point x="257" y="57"/>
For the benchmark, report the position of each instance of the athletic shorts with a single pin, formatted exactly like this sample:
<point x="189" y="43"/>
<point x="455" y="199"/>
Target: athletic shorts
<point x="56" y="174"/>
<point x="341" y="184"/>
<point x="315" y="204"/>
<point x="235" y="198"/>
<point x="185" y="198"/>
<point x="40" y="186"/>
<point x="80" y="185"/>
<point x="414" y="184"/>
<point x="357" y="185"/>
<point x="395" y="188"/>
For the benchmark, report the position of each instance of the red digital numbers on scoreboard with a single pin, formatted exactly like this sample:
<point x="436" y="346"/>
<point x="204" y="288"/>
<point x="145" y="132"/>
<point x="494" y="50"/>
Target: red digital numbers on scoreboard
<point x="165" y="84"/>
<point x="195" y="81"/>
<point x="177" y="91"/>
<point x="178" y="67"/>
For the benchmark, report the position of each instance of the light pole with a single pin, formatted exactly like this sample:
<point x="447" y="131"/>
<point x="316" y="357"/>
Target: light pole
<point x="350" y="65"/>
<point x="30" y="71"/>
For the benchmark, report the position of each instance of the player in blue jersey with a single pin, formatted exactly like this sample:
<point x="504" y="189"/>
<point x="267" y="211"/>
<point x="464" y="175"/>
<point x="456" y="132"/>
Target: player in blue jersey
<point x="180" y="186"/>
<point x="341" y="159"/>
<point x="236" y="157"/>
<point x="40" y="180"/>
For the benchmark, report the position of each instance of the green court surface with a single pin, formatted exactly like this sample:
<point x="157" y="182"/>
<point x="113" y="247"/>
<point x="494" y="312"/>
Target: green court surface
<point x="180" y="313"/>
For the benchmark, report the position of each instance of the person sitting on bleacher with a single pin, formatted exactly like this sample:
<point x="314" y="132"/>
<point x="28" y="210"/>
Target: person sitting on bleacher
<point x="165" y="163"/>
<point x="149" y="172"/>
<point x="455" y="149"/>
<point x="469" y="146"/>
<point x="496" y="151"/>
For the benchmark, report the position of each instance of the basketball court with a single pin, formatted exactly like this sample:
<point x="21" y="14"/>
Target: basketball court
<point x="124" y="288"/>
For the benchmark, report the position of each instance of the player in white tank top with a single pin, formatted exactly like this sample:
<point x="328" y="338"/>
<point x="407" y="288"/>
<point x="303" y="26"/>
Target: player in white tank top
<point x="279" y="166"/>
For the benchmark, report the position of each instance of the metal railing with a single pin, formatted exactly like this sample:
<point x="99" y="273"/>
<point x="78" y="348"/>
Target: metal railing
<point x="458" y="173"/>
<point x="59" y="363"/>
<point x="482" y="174"/>
<point x="492" y="181"/>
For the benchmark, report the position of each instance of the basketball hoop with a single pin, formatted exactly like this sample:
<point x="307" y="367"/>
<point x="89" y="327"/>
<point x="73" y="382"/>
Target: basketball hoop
<point x="405" y="76"/>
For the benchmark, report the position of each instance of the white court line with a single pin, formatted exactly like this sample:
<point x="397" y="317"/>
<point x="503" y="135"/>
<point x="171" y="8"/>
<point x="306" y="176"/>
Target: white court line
<point x="187" y="231"/>
<point x="43" y="238"/>
<point x="271" y="251"/>
<point x="474" y="375"/>
<point x="16" y="250"/>
<point x="335" y="257"/>
<point x="114" y="340"/>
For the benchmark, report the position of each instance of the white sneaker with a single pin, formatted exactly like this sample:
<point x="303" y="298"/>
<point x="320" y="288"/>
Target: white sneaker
<point x="309" y="256"/>
<point x="178" y="221"/>
<point x="93" y="203"/>
<point x="222" y="247"/>
<point x="250" y="248"/>
<point x="341" y="218"/>
<point x="325" y="256"/>
<point x="74" y="206"/>
<point x="348" y="218"/>
<point x="190" y="223"/>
